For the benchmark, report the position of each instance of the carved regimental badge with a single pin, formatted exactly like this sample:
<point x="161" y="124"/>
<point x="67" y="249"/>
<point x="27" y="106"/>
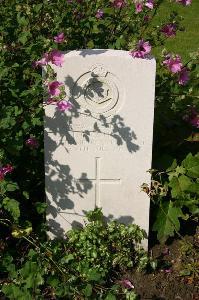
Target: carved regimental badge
<point x="98" y="91"/>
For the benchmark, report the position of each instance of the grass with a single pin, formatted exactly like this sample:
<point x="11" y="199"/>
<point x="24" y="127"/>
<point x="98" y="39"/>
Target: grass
<point x="187" y="41"/>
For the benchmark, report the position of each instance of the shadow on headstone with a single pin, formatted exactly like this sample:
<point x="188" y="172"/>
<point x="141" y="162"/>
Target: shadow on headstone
<point x="84" y="52"/>
<point x="119" y="131"/>
<point x="62" y="124"/>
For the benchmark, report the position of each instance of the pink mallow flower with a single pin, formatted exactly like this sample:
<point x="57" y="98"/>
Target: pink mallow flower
<point x="51" y="101"/>
<point x="32" y="143"/>
<point x="167" y="271"/>
<point x="99" y="14"/>
<point x="149" y="4"/>
<point x="59" y="38"/>
<point x="169" y="30"/>
<point x="138" y="7"/>
<point x="119" y="3"/>
<point x="43" y="61"/>
<point x="184" y="2"/>
<point x="127" y="284"/>
<point x="56" y="57"/>
<point x="183" y="76"/>
<point x="54" y="88"/>
<point x="142" y="49"/>
<point x="64" y="105"/>
<point x="5" y="170"/>
<point x="174" y="64"/>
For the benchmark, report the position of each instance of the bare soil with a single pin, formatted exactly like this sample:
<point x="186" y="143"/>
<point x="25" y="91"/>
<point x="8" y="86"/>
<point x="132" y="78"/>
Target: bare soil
<point x="167" y="283"/>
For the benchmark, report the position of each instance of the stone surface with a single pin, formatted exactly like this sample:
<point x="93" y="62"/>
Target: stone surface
<point x="98" y="154"/>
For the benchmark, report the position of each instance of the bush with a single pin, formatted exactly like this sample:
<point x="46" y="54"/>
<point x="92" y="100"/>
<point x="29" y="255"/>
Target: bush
<point x="32" y="30"/>
<point x="89" y="263"/>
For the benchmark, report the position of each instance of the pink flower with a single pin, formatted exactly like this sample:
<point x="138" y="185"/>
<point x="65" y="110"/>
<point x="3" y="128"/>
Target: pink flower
<point x="119" y="3"/>
<point x="126" y="284"/>
<point x="43" y="61"/>
<point x="142" y="49"/>
<point x="183" y="76"/>
<point x="149" y="4"/>
<point x="184" y="2"/>
<point x="169" y="30"/>
<point x="64" y="105"/>
<point x="51" y="101"/>
<point x="138" y="7"/>
<point x="32" y="143"/>
<point x="56" y="57"/>
<point x="99" y="14"/>
<point x="54" y="88"/>
<point x="174" y="64"/>
<point x="59" y="38"/>
<point x="167" y="271"/>
<point x="5" y="170"/>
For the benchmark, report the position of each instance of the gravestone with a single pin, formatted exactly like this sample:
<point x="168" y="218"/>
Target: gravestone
<point x="98" y="154"/>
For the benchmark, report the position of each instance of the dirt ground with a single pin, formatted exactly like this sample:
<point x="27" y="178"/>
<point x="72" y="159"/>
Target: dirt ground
<point x="166" y="283"/>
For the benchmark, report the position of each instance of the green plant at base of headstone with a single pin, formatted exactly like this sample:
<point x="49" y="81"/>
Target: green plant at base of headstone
<point x="175" y="194"/>
<point x="89" y="263"/>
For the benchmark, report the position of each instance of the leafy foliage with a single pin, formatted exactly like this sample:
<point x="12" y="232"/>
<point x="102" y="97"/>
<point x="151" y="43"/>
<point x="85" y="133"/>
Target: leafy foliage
<point x="87" y="264"/>
<point x="175" y="196"/>
<point x="68" y="269"/>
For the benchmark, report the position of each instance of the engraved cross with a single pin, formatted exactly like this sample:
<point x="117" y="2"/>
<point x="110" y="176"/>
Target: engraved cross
<point x="98" y="181"/>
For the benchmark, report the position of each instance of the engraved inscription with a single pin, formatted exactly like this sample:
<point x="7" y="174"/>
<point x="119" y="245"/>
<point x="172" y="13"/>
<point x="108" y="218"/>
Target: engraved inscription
<point x="98" y="91"/>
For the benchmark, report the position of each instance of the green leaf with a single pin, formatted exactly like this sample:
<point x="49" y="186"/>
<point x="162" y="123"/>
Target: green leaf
<point x="131" y="295"/>
<point x="53" y="281"/>
<point x="194" y="188"/>
<point x="90" y="44"/>
<point x="62" y="290"/>
<point x="23" y="37"/>
<point x="12" y="206"/>
<point x="173" y="166"/>
<point x="167" y="221"/>
<point x="37" y="7"/>
<point x="26" y="194"/>
<point x="66" y="259"/>
<point x="110" y="296"/>
<point x="88" y="290"/>
<point x="12" y="291"/>
<point x="9" y="266"/>
<point x="94" y="275"/>
<point x="40" y="207"/>
<point x="179" y="185"/>
<point x="191" y="163"/>
<point x="12" y="186"/>
<point x="194" y="137"/>
<point x="32" y="274"/>
<point x="20" y="232"/>
<point x="185" y="272"/>
<point x="22" y="20"/>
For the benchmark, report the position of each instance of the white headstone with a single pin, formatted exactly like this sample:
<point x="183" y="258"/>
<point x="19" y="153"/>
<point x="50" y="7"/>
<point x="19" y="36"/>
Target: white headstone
<point x="99" y="154"/>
